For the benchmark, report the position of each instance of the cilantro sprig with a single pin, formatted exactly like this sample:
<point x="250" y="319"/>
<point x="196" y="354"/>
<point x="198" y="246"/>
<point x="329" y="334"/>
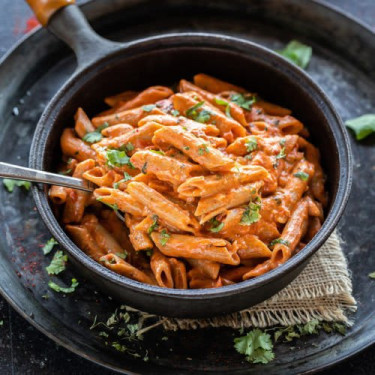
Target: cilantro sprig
<point x="245" y="101"/>
<point x="60" y="289"/>
<point x="256" y="345"/>
<point x="95" y="136"/>
<point x="164" y="237"/>
<point x="47" y="248"/>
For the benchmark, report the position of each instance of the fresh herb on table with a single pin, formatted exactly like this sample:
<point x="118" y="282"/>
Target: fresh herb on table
<point x="203" y="116"/>
<point x="301" y="175"/>
<point x="60" y="289"/>
<point x="371" y="275"/>
<point x="164" y="237"/>
<point x="245" y="101"/>
<point x="362" y="126"/>
<point x="49" y="246"/>
<point x="298" y="53"/>
<point x="252" y="212"/>
<point x="256" y="345"/>
<point x="10" y="184"/>
<point x="58" y="263"/>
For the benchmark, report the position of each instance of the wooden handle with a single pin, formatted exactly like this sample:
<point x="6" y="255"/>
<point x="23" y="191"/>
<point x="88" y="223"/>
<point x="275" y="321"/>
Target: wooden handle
<point x="44" y="9"/>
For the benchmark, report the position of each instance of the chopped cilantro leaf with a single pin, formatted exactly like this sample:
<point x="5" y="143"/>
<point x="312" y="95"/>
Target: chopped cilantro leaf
<point x="113" y="206"/>
<point x="251" y="144"/>
<point x="158" y="152"/>
<point x="282" y="142"/>
<point x="245" y="101"/>
<point x="371" y="275"/>
<point x="49" y="246"/>
<point x="154" y="225"/>
<point x="227" y="111"/>
<point x="220" y="101"/>
<point x="127" y="177"/>
<point x="203" y="150"/>
<point x="149" y="107"/>
<point x="119" y="347"/>
<point x="256" y="346"/>
<point x="252" y="212"/>
<point x="216" y="225"/>
<point x="10" y="184"/>
<point x="175" y="112"/>
<point x="60" y="289"/>
<point x="92" y="137"/>
<point x="57" y="264"/>
<point x="164" y="237"/>
<point x="203" y="116"/>
<point x="302" y="175"/>
<point x="122" y="255"/>
<point x="281" y="154"/>
<point x="280" y="241"/>
<point x="298" y="53"/>
<point x="116" y="158"/>
<point x="144" y="168"/>
<point x="362" y="126"/>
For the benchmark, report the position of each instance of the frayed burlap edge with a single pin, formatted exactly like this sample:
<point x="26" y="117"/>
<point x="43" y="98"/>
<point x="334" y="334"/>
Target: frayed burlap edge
<point x="323" y="291"/>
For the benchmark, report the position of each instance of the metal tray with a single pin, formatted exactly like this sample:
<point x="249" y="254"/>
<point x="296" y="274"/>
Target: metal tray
<point x="343" y="64"/>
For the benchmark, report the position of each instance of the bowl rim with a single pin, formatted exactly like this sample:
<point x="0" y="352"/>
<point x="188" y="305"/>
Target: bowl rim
<point x="213" y="41"/>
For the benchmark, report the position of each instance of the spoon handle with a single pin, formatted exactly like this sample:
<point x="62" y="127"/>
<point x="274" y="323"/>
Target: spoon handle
<point x="22" y="173"/>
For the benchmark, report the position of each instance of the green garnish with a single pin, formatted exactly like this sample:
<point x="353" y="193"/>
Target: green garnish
<point x="203" y="116"/>
<point x="113" y="206"/>
<point x="175" y="112"/>
<point x="256" y="346"/>
<point x="203" y="150"/>
<point x="251" y="144"/>
<point x="60" y="289"/>
<point x="187" y="148"/>
<point x="149" y="107"/>
<point x="116" y="158"/>
<point x="220" y="101"/>
<point x="49" y="246"/>
<point x="298" y="53"/>
<point x="227" y="111"/>
<point x="144" y="168"/>
<point x="216" y="225"/>
<point x="252" y="212"/>
<point x="119" y="347"/>
<point x="10" y="184"/>
<point x="154" y="225"/>
<point x="164" y="237"/>
<point x="149" y="252"/>
<point x="127" y="177"/>
<point x="127" y="147"/>
<point x="245" y="101"/>
<point x="157" y="152"/>
<point x="362" y="126"/>
<point x="302" y="175"/>
<point x="122" y="255"/>
<point x="371" y="275"/>
<point x="95" y="136"/>
<point x="280" y="241"/>
<point x="281" y="154"/>
<point x="58" y="263"/>
<point x="282" y="142"/>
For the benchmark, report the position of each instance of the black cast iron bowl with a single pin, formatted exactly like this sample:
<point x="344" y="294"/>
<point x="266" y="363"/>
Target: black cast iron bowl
<point x="105" y="68"/>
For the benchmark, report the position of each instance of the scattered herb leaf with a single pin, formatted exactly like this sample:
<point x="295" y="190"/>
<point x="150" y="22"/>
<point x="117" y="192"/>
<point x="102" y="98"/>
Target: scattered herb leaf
<point x="371" y="275"/>
<point x="122" y="255"/>
<point x="298" y="53"/>
<point x="117" y="158"/>
<point x="49" y="246"/>
<point x="281" y="154"/>
<point x="203" y="116"/>
<point x="164" y="237"/>
<point x="203" y="150"/>
<point x="252" y="212"/>
<point x="216" y="225"/>
<point x="149" y="107"/>
<point x="280" y="241"/>
<point x="58" y="263"/>
<point x="256" y="346"/>
<point x="113" y="206"/>
<point x="60" y="289"/>
<point x="362" y="126"/>
<point x="175" y="112"/>
<point x="144" y="168"/>
<point x="10" y="184"/>
<point x="245" y="101"/>
<point x="302" y="175"/>
<point x="154" y="225"/>
<point x="127" y="177"/>
<point x="251" y="144"/>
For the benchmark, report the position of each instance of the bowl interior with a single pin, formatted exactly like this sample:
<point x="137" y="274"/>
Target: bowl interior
<point x="164" y="62"/>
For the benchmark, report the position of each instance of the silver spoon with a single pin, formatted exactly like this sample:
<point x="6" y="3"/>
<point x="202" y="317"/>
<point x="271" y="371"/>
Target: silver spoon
<point x="17" y="172"/>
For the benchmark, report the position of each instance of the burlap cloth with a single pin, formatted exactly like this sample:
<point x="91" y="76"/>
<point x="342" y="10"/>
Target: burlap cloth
<point x="322" y="291"/>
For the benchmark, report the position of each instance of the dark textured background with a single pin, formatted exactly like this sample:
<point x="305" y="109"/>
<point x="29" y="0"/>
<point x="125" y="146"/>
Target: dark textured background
<point x="23" y="350"/>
